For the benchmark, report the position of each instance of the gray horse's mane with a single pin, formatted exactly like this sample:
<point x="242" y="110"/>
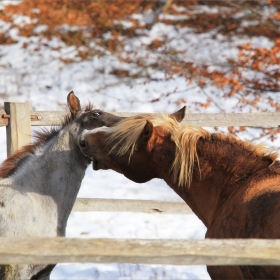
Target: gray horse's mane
<point x="42" y="136"/>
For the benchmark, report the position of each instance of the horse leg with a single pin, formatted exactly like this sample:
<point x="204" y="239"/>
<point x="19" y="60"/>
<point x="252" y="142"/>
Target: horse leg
<point x="43" y="274"/>
<point x="32" y="272"/>
<point x="14" y="272"/>
<point x="7" y="272"/>
<point x="225" y="272"/>
<point x="260" y="272"/>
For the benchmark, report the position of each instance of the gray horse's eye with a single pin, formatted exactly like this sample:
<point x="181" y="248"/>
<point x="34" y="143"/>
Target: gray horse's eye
<point x="96" y="114"/>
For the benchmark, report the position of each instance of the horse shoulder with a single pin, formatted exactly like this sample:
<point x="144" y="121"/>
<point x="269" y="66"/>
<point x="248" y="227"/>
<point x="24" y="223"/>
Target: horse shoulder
<point x="25" y="213"/>
<point x="250" y="212"/>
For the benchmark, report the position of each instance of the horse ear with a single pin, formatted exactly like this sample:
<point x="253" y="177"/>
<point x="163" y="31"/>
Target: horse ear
<point x="145" y="135"/>
<point x="73" y="103"/>
<point x="179" y="115"/>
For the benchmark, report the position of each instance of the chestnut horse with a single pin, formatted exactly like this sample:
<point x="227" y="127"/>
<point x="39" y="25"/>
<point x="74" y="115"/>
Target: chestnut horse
<point x="233" y="186"/>
<point x="39" y="183"/>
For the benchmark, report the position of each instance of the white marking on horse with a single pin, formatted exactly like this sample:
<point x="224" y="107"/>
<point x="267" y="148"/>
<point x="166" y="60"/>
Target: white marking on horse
<point x="98" y="129"/>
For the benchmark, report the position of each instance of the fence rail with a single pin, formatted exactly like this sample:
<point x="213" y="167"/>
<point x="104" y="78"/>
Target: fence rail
<point x="129" y="205"/>
<point x="47" y="118"/>
<point x="24" y="250"/>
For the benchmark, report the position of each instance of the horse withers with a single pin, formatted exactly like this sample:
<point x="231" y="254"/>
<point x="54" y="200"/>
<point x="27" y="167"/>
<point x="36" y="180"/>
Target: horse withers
<point x="232" y="186"/>
<point x="39" y="183"/>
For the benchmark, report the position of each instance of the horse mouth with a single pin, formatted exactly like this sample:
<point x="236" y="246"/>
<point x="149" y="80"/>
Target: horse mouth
<point x="96" y="164"/>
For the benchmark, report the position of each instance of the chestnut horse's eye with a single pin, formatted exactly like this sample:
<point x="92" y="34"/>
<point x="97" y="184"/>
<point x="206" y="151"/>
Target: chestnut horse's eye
<point x="96" y="114"/>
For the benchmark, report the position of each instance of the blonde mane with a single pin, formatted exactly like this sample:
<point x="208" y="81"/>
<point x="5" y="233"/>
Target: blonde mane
<point x="127" y="132"/>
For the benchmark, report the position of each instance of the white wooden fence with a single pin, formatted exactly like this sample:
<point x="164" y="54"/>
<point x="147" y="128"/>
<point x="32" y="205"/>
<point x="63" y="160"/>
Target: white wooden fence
<point x="18" y="120"/>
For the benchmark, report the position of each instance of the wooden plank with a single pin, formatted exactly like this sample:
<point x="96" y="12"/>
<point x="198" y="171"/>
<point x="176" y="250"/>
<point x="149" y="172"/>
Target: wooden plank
<point x="19" y="128"/>
<point x="234" y="119"/>
<point x="237" y="119"/>
<point x="55" y="118"/>
<point x="33" y="250"/>
<point x="47" y="118"/>
<point x="128" y="205"/>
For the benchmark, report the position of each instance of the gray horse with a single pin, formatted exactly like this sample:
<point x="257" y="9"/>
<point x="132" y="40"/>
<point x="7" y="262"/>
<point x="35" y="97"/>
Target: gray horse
<point x="39" y="183"/>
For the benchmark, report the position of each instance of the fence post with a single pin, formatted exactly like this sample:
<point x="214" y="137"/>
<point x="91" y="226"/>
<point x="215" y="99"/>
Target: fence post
<point x="18" y="130"/>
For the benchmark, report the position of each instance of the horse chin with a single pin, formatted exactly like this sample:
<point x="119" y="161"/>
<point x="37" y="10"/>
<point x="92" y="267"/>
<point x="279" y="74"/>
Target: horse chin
<point x="96" y="165"/>
<point x="137" y="179"/>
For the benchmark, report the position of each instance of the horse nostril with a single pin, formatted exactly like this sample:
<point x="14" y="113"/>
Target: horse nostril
<point x="82" y="143"/>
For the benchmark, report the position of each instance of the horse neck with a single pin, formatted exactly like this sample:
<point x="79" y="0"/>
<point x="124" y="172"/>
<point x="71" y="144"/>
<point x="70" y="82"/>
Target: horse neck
<point x="53" y="175"/>
<point x="225" y="165"/>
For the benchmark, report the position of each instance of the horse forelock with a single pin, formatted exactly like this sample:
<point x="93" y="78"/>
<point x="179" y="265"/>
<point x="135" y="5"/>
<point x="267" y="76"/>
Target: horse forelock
<point x="89" y="107"/>
<point x="128" y="131"/>
<point x="42" y="136"/>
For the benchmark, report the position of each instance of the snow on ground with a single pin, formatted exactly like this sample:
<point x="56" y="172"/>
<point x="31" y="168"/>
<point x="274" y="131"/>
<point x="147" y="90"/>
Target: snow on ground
<point x="39" y="77"/>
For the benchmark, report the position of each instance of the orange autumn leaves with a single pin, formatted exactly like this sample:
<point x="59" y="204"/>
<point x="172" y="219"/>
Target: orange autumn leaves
<point x="254" y="70"/>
